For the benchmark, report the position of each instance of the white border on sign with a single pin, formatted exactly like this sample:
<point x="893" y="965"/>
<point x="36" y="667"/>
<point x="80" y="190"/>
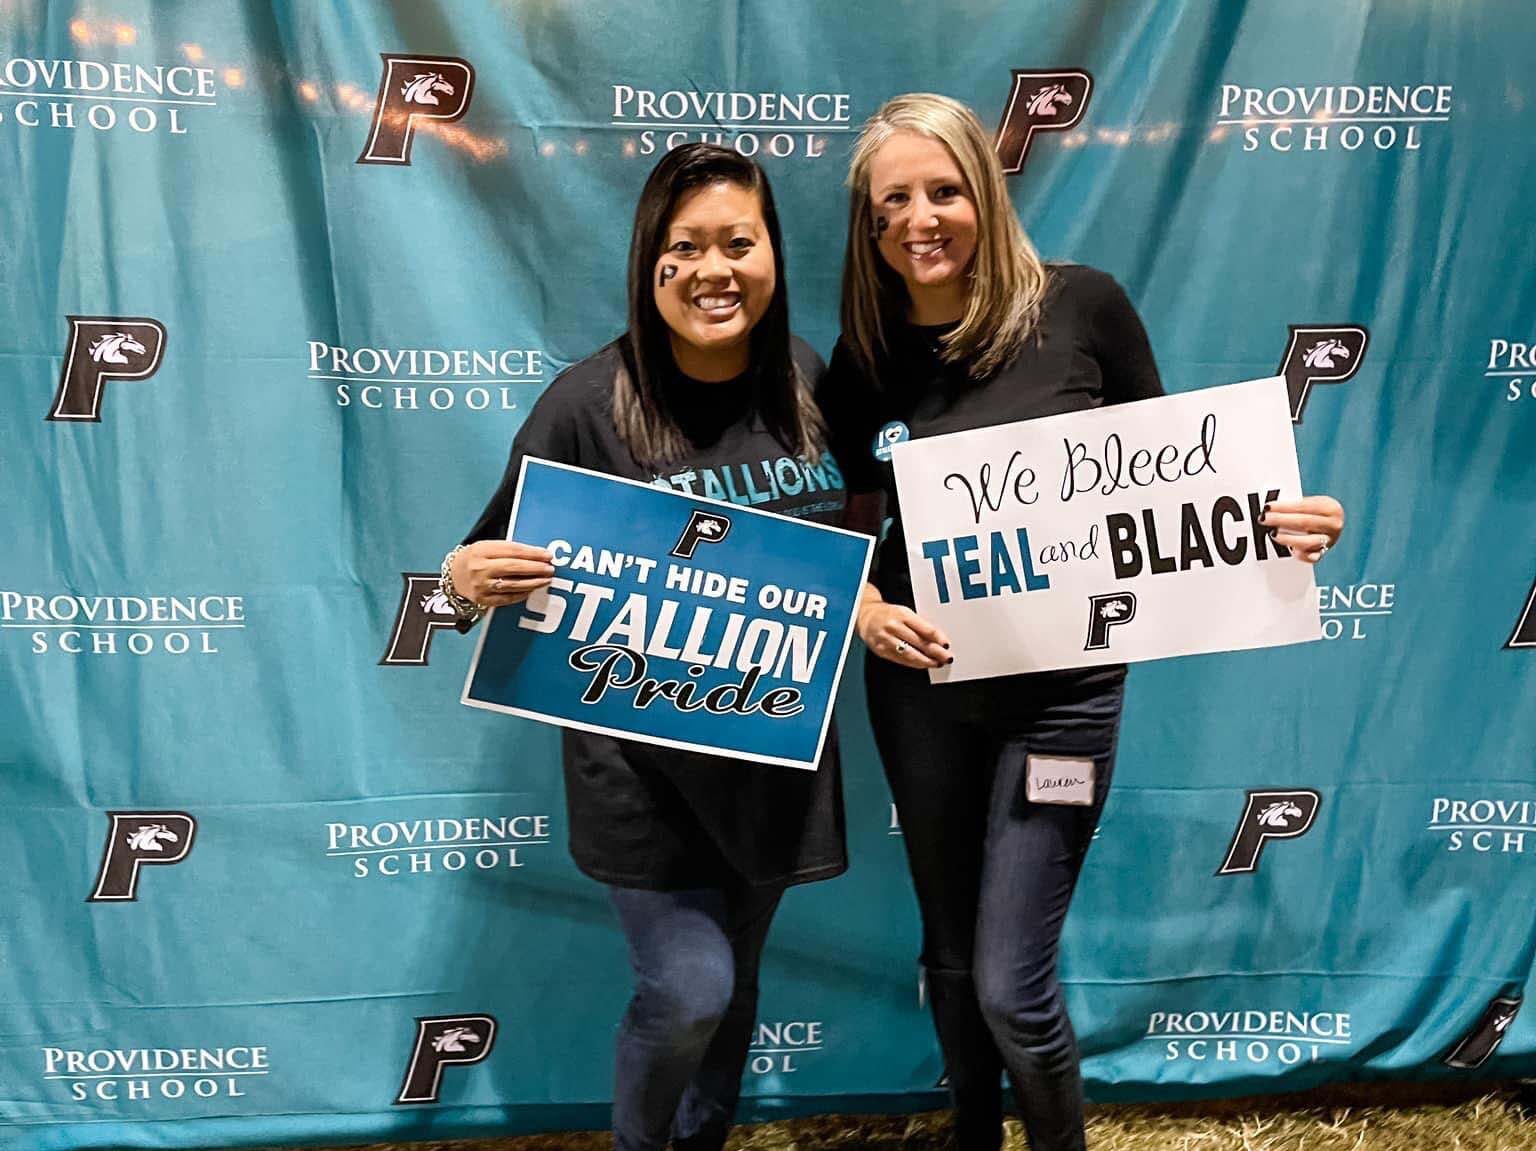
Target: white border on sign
<point x="658" y="741"/>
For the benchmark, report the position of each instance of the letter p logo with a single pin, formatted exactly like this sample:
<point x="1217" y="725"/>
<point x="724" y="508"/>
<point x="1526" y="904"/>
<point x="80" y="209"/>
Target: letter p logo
<point x="1040" y="102"/>
<point x="136" y="838"/>
<point x="1319" y="355"/>
<point x="103" y="348"/>
<point x="1105" y="612"/>
<point x="1268" y="815"/>
<point x="441" y="1041"/>
<point x="704" y="527"/>
<point x="415" y="90"/>
<point x="423" y="610"/>
<point x="1479" y="1044"/>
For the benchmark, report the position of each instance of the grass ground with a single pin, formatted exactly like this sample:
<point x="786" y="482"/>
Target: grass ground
<point x="1342" y="1119"/>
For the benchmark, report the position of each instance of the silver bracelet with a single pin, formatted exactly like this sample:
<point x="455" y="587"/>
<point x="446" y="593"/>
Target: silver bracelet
<point x="463" y="607"/>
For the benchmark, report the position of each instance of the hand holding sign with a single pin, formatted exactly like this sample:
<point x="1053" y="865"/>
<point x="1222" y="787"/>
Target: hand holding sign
<point x="902" y="636"/>
<point x="1308" y="526"/>
<point x="494" y="573"/>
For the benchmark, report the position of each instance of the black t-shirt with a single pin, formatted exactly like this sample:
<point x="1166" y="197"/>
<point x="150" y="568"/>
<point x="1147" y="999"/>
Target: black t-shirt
<point x="657" y="817"/>
<point x="1089" y="350"/>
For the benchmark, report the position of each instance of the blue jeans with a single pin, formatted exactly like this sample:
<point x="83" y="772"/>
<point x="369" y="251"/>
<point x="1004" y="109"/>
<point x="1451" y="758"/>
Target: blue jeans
<point x="994" y="874"/>
<point x="683" y="1041"/>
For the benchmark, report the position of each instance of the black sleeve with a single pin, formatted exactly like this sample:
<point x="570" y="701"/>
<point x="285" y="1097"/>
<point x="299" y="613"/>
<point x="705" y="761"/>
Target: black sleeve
<point x="850" y="407"/>
<point x="1121" y="345"/>
<point x="551" y="432"/>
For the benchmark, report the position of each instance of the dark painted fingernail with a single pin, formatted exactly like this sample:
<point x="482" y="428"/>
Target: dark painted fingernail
<point x="1265" y="512"/>
<point x="946" y="647"/>
<point x="950" y="660"/>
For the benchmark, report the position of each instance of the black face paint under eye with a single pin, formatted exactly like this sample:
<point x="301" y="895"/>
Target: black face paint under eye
<point x="667" y="272"/>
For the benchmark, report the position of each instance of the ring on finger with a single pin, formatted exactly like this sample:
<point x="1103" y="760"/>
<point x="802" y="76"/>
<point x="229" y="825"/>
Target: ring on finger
<point x="497" y="583"/>
<point x="901" y="646"/>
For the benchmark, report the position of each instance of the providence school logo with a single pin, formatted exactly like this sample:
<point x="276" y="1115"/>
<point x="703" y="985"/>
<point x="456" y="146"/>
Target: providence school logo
<point x="415" y="89"/>
<point x="1333" y="117"/>
<point x="1320" y="355"/>
<point x="754" y="123"/>
<point x="778" y="1047"/>
<point x="1268" y="815"/>
<point x="423" y="610"/>
<point x="708" y="527"/>
<point x="1040" y="102"/>
<point x="1524" y="634"/>
<point x="103" y="348"/>
<point x="1258" y="1036"/>
<point x="109" y="93"/>
<point x="134" y="839"/>
<point x="151" y="1076"/>
<point x="1479" y="1044"/>
<point x="442" y="1040"/>
<point x="1105" y="612"/>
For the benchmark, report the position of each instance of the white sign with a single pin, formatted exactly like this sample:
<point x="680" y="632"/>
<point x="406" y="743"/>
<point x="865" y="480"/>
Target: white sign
<point x="1106" y="536"/>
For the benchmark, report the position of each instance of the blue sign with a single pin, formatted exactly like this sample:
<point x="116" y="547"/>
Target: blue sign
<point x="673" y="620"/>
<point x="888" y="437"/>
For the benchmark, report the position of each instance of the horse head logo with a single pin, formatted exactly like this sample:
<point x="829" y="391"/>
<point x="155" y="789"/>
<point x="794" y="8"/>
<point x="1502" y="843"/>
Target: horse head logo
<point x="423" y="88"/>
<point x="109" y="349"/>
<point x="149" y="837"/>
<point x="1047" y="100"/>
<point x="1279" y="814"/>
<point x="1114" y="609"/>
<point x="1322" y="353"/>
<point x="453" y="1040"/>
<point x="710" y="528"/>
<point x="436" y="603"/>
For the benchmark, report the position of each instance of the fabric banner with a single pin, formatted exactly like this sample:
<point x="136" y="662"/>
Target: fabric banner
<point x="281" y="282"/>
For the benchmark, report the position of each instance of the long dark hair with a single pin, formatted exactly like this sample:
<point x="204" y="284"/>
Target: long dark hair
<point x="779" y="393"/>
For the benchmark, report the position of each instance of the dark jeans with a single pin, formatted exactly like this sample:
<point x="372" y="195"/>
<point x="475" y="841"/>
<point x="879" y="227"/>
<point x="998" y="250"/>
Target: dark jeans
<point x="994" y="874"/>
<point x="683" y="1042"/>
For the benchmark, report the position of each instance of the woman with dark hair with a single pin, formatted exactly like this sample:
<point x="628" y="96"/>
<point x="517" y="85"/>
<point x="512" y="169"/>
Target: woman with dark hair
<point x="708" y="393"/>
<point x="952" y="322"/>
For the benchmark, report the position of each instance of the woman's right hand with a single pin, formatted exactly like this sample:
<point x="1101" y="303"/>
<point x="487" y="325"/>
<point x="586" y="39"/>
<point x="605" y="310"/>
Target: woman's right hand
<point x="902" y="636"/>
<point x="494" y="573"/>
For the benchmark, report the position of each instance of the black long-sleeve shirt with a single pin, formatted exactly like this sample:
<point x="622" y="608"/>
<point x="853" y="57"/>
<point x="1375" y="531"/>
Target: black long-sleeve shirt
<point x="658" y="817"/>
<point x="1089" y="350"/>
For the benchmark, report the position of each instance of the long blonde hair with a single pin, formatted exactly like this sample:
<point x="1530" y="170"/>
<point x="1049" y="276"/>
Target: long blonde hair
<point x="1007" y="278"/>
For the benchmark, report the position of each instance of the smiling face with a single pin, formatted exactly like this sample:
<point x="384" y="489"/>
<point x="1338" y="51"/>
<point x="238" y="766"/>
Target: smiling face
<point x="924" y="214"/>
<point x="714" y="278"/>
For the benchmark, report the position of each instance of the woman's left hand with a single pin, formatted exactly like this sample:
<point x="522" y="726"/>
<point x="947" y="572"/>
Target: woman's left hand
<point x="1308" y="526"/>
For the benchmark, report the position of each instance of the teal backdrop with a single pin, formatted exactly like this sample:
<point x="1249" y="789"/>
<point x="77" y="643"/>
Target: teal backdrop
<point x="278" y="283"/>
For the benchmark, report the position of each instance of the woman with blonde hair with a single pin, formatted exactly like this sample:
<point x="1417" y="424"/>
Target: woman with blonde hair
<point x="951" y="322"/>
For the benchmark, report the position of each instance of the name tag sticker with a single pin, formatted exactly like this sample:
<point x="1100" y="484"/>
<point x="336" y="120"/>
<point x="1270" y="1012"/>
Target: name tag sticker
<point x="1052" y="780"/>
